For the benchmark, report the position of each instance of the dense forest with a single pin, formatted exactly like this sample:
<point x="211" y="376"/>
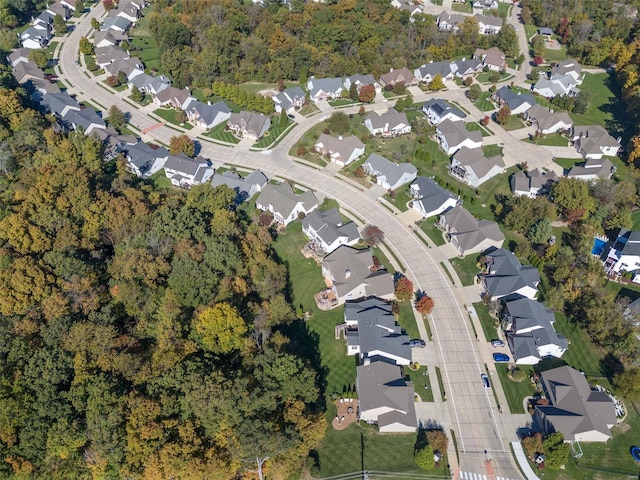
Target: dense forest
<point x="202" y="41"/>
<point x="143" y="334"/>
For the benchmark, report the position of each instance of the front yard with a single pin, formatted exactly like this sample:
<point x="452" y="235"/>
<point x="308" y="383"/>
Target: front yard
<point x="433" y="232"/>
<point x="273" y="134"/>
<point x="218" y="133"/>
<point x="466" y="268"/>
<point x="169" y="115"/>
<point x="484" y="103"/>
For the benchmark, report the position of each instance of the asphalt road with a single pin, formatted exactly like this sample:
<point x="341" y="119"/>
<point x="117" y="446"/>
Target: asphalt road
<point x="474" y="417"/>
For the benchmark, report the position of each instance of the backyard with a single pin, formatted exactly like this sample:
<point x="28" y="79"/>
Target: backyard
<point x="605" y="109"/>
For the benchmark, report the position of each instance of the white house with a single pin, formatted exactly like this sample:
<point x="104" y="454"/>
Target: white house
<point x="430" y="198"/>
<point x="438" y="110"/>
<point x="492" y="58"/>
<point x="485" y="4"/>
<point x="593" y="142"/>
<point x="284" y="203"/>
<point x="249" y="124"/>
<point x="473" y="168"/>
<point x="325" y="88"/>
<point x="389" y="175"/>
<point x="454" y="135"/>
<point x="142" y="160"/>
<point x="326" y="229"/>
<point x="186" y="172"/>
<point x="289" y="99"/>
<point x="341" y="150"/>
<point x="426" y="73"/>
<point x="488" y="24"/>
<point x="533" y="183"/>
<point x="547" y="121"/>
<point x="388" y="124"/>
<point x="624" y="255"/>
<point x="360" y="81"/>
<point x="468" y="234"/>
<point x="207" y="115"/>
<point x="592" y="170"/>
<point x="506" y="276"/>
<point x="517" y="102"/>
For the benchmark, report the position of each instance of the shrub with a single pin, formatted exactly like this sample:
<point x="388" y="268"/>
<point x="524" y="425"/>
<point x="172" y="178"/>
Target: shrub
<point x="468" y="81"/>
<point x="112" y="81"/>
<point x="360" y="173"/>
<point x="424" y="457"/>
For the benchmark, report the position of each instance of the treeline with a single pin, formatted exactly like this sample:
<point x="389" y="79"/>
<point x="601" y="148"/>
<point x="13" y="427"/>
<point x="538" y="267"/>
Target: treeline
<point x="143" y="333"/>
<point x="247" y="100"/>
<point x="204" y="41"/>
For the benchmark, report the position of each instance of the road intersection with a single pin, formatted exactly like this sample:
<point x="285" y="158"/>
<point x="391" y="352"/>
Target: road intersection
<point x="470" y="410"/>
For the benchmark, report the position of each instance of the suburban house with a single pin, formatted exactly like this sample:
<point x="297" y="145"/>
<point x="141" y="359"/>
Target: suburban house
<point x="426" y="73"/>
<point x="409" y="7"/>
<point x="533" y="183"/>
<point x="592" y="170"/>
<point x="126" y="9"/>
<point x="389" y="175"/>
<point x="624" y="255"/>
<point x="399" y="75"/>
<point x="289" y="99"/>
<point x="594" y="141"/>
<point x="27" y="71"/>
<point x="326" y="229"/>
<point x="468" y="234"/>
<point x="545" y="31"/>
<point x="563" y="79"/>
<point x="130" y="67"/>
<point x="105" y="38"/>
<point x="245" y="187"/>
<point x="37" y="36"/>
<point x="59" y="104"/>
<point x="207" y="115"/>
<point x="186" y="172"/>
<point x="493" y="58"/>
<point x="466" y="67"/>
<point x="19" y="55"/>
<point x="341" y="150"/>
<point x="249" y="125"/>
<point x="352" y="274"/>
<point x="373" y="334"/>
<point x="39" y="87"/>
<point x="388" y="124"/>
<point x="142" y="160"/>
<point x="148" y="83"/>
<point x="385" y="398"/>
<point x="58" y="8"/>
<point x="505" y="276"/>
<point x="488" y="24"/>
<point x="360" y="81"/>
<point x="473" y="168"/>
<point x="578" y="412"/>
<point x="438" y="110"/>
<point x="109" y="54"/>
<point x="528" y="326"/>
<point x="119" y="24"/>
<point x="325" y="88"/>
<point x="450" y="21"/>
<point x="516" y="101"/>
<point x="178" y="98"/>
<point x="454" y="135"/>
<point x="485" y="4"/>
<point x="86" y="118"/>
<point x="430" y="198"/>
<point x="568" y="67"/>
<point x="547" y="121"/>
<point x="284" y="203"/>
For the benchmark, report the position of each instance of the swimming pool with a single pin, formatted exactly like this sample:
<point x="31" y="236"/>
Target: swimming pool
<point x="598" y="246"/>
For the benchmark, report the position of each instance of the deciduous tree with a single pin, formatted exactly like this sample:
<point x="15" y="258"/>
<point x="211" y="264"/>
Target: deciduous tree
<point x="372" y="235"/>
<point x="220" y="329"/>
<point x="39" y="58"/>
<point x="86" y="47"/>
<point x="338" y="122"/>
<point x="425" y="304"/>
<point x="425" y="457"/>
<point x="502" y="115"/>
<point x="116" y="117"/>
<point x="403" y="288"/>
<point x="182" y="144"/>
<point x="367" y="93"/>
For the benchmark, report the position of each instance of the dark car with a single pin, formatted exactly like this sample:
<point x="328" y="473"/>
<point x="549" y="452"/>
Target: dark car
<point x="417" y="343"/>
<point x="497" y="343"/>
<point x="291" y="116"/>
<point x="485" y="380"/>
<point x="501" y="358"/>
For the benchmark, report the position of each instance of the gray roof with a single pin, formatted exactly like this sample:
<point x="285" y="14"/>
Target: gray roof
<point x="603" y="168"/>
<point x="325" y="85"/>
<point x="527" y="314"/>
<point x="284" y="199"/>
<point x="575" y="408"/>
<point x="146" y="81"/>
<point x="565" y="66"/>
<point x="142" y="155"/>
<point x="184" y="164"/>
<point x="475" y="160"/>
<point x="126" y="66"/>
<point x="431" y="195"/>
<point x="493" y="56"/>
<point x="286" y="97"/>
<point x="84" y="118"/>
<point x="120" y="22"/>
<point x="207" y="112"/>
<point x="254" y="123"/>
<point x="18" y="54"/>
<point x="377" y="328"/>
<point x="33" y="32"/>
<point x="362" y="79"/>
<point x="398" y="75"/>
<point x="489" y="20"/>
<point x="590" y="139"/>
<point x="57" y="102"/>
<point x="343" y="146"/>
<point x="109" y="54"/>
<point x="112" y="36"/>
<point x="545" y="31"/>
<point x="514" y="100"/>
<point x="452" y="18"/>
<point x="391" y="118"/>
<point x="381" y="385"/>
<point x="391" y="171"/>
<point x="351" y="267"/>
<point x="242" y="186"/>
<point x="546" y="118"/>
<point x="444" y="68"/>
<point x="456" y="132"/>
<point x="45" y="17"/>
<point x="38" y="87"/>
<point x="469" y="231"/>
<point x="441" y="108"/>
<point x="27" y="69"/>
<point x="627" y="242"/>
<point x="328" y="226"/>
<point x="462" y="66"/>
<point x="525" y="181"/>
<point x="507" y="274"/>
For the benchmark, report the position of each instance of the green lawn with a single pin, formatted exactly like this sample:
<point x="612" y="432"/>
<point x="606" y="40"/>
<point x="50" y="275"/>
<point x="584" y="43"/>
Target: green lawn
<point x="503" y="9"/>
<point x="428" y="227"/>
<point x="515" y="391"/>
<point x="530" y="30"/>
<point x="555" y="55"/>
<point x="462" y="7"/>
<point x="513" y="123"/>
<point x="407" y="320"/>
<point x="484" y="77"/>
<point x="256" y="87"/>
<point x="169" y="115"/>
<point x="488" y="323"/>
<point x="466" y="268"/>
<point x="218" y="132"/>
<point x="160" y="181"/>
<point x="402" y="197"/>
<point x="567" y="162"/>
<point x="420" y="381"/>
<point x="308" y="109"/>
<point x="635" y="216"/>
<point x="551" y="140"/>
<point x="492" y="150"/>
<point x="273" y="133"/>
<point x="342" y="102"/>
<point x="605" y="108"/>
<point x="474" y="126"/>
<point x="148" y="50"/>
<point x="484" y="103"/>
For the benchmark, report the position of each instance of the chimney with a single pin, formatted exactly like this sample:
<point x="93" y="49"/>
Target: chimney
<point x="339" y="137"/>
<point x="347" y="273"/>
<point x="390" y="70"/>
<point x="366" y="361"/>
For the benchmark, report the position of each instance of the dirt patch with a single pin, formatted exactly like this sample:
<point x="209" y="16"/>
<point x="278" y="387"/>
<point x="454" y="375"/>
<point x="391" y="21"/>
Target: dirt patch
<point x="622" y="427"/>
<point x="268" y="92"/>
<point x="552" y="45"/>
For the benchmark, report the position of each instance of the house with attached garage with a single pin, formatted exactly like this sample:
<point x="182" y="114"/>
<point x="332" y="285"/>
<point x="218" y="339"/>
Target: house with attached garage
<point x="245" y="187"/>
<point x="400" y="75"/>
<point x="388" y="124"/>
<point x="327" y="230"/>
<point x="452" y="136"/>
<point x="488" y="24"/>
<point x="385" y="398"/>
<point x="20" y="55"/>
<point x="533" y="183"/>
<point x="547" y="121"/>
<point x="36" y="37"/>
<point x="186" y="172"/>
<point x="289" y="99"/>
<point x="528" y="326"/>
<point x="516" y="101"/>
<point x="505" y="276"/>
<point x="426" y="73"/>
<point x="353" y="274"/>
<point x="106" y="38"/>
<point x="592" y="170"/>
<point x="360" y="81"/>
<point x="580" y="413"/>
<point x="127" y="10"/>
<point x="207" y="115"/>
<point x="284" y="203"/>
<point x="389" y="175"/>
<point x="624" y="255"/>
<point x="485" y="4"/>
<point x="142" y="160"/>
<point x="373" y="334"/>
<point x="87" y="119"/>
<point x="38" y="88"/>
<point x="178" y="98"/>
<point x="593" y="142"/>
<point x="473" y="168"/>
<point x="493" y="58"/>
<point x="465" y="67"/>
<point x="58" y="8"/>
<point x="341" y="150"/>
<point x="468" y="234"/>
<point x="325" y="88"/>
<point x="109" y="54"/>
<point x="149" y="84"/>
<point x="248" y="124"/>
<point x="431" y="199"/>
<point x="25" y="71"/>
<point x="59" y="104"/>
<point x="119" y="24"/>
<point x="437" y="111"/>
<point x="450" y="22"/>
<point x="130" y="67"/>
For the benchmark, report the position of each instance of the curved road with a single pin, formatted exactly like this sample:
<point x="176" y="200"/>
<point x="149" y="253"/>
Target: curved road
<point x="474" y="417"/>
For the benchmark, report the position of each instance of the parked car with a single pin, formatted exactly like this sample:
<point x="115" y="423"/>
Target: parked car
<point x="417" y="343"/>
<point x="485" y="380"/>
<point x="500" y="358"/>
<point x="497" y="343"/>
<point x="291" y="116"/>
<point x="50" y="77"/>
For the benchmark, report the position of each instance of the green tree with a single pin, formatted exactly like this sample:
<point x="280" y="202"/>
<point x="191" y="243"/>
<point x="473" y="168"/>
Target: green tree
<point x="122" y="78"/>
<point x="540" y="232"/>
<point x="182" y="144"/>
<point x="338" y="122"/>
<point x="627" y="383"/>
<point x="436" y="83"/>
<point x="220" y="329"/>
<point x="538" y="46"/>
<point x="95" y="24"/>
<point x="80" y="6"/>
<point x="353" y="92"/>
<point x="502" y="115"/>
<point x="582" y="101"/>
<point x="572" y="195"/>
<point x="425" y="457"/>
<point x="86" y="47"/>
<point x="59" y="25"/>
<point x="555" y="450"/>
<point x="136" y="94"/>
<point x="39" y="58"/>
<point x="8" y="39"/>
<point x="507" y="40"/>
<point x="474" y="92"/>
<point x="116" y="117"/>
<point x="90" y="62"/>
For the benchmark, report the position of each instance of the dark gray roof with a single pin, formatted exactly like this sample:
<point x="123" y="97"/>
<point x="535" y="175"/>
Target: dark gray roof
<point x="120" y="22"/>
<point x="513" y="99"/>
<point x="351" y="267"/>
<point x="18" y="54"/>
<point x="469" y="231"/>
<point x="328" y="226"/>
<point x="456" y="132"/>
<point x="628" y="242"/>
<point x="441" y="108"/>
<point x="27" y="69"/>
<point x="142" y="155"/>
<point x="285" y="98"/>
<point x="603" y="168"/>
<point x="284" y="199"/>
<point x="84" y="118"/>
<point x="507" y="274"/>
<point x="528" y="314"/>
<point x="545" y="31"/>
<point x="431" y="195"/>
<point x="57" y="102"/>
<point x="183" y="164"/>
<point x="525" y="181"/>
<point x="325" y="85"/>
<point x="444" y="68"/>
<point x="208" y="113"/>
<point x="393" y="172"/>
<point x="242" y="186"/>
<point x="362" y="79"/>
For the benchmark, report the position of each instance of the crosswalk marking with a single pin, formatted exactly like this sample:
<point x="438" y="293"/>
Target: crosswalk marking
<point x="478" y="476"/>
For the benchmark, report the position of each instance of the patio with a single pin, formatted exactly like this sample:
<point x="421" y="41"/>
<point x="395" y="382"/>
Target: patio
<point x="347" y="413"/>
<point x="326" y="299"/>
